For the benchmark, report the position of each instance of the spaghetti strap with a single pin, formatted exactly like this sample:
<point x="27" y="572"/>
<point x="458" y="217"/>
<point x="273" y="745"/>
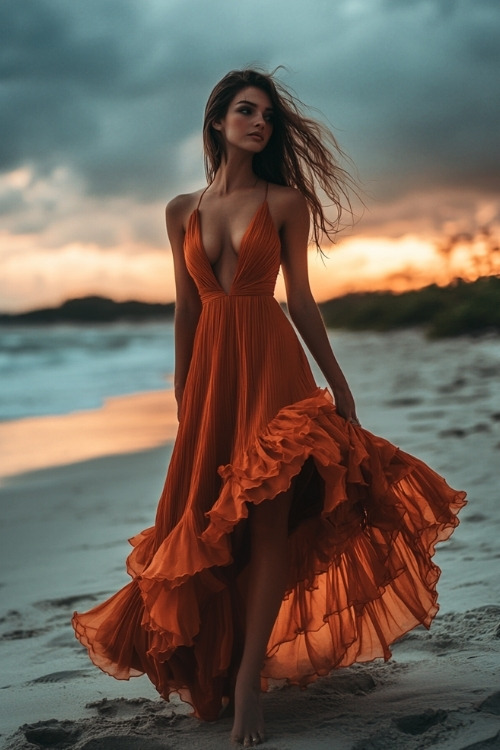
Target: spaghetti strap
<point x="201" y="196"/>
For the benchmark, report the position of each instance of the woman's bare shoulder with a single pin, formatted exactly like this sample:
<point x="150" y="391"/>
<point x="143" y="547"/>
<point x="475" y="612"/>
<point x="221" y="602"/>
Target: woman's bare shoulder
<point x="286" y="202"/>
<point x="179" y="209"/>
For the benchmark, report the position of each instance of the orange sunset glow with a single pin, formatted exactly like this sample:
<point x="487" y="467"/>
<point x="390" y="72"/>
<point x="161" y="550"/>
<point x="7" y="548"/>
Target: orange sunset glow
<point x="138" y="272"/>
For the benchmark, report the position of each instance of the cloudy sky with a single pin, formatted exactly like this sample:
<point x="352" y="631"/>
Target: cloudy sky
<point x="101" y="104"/>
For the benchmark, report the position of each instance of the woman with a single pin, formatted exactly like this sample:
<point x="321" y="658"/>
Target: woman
<point x="288" y="540"/>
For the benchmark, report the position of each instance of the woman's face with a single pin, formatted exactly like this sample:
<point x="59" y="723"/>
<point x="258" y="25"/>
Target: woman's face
<point x="248" y="123"/>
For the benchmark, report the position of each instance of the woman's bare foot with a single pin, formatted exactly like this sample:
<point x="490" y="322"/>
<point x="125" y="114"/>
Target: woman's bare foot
<point x="248" y="727"/>
<point x="269" y="541"/>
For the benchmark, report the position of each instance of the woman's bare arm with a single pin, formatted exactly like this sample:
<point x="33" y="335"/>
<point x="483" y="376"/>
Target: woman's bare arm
<point x="301" y="305"/>
<point x="187" y="299"/>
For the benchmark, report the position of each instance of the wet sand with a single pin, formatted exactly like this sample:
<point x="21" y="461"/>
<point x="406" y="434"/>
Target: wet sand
<point x="123" y="424"/>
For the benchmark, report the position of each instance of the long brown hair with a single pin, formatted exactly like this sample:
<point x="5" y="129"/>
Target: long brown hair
<point x="301" y="153"/>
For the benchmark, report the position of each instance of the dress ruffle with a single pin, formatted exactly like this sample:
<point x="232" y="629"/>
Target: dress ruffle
<point x="364" y="523"/>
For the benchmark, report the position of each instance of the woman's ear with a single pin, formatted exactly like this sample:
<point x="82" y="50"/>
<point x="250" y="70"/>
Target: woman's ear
<point x="217" y="125"/>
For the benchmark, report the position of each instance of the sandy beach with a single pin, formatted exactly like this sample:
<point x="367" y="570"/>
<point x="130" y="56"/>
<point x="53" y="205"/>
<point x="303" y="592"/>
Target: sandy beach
<point x="75" y="487"/>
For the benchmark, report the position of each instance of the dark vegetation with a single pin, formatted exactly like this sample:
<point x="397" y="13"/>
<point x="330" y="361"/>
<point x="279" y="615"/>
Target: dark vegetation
<point x="93" y="310"/>
<point x="460" y="308"/>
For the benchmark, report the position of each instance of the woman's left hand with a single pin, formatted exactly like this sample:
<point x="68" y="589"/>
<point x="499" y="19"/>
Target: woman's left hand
<point x="346" y="407"/>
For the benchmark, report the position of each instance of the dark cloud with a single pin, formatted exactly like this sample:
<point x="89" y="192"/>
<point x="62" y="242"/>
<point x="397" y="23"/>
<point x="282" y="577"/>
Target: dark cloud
<point x="111" y="89"/>
<point x="418" y="95"/>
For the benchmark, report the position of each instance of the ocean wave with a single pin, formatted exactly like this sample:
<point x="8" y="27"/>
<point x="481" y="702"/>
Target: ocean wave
<point x="59" y="369"/>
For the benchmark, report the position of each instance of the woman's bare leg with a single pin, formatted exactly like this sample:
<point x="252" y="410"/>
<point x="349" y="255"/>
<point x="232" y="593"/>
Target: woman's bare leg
<point x="267" y="581"/>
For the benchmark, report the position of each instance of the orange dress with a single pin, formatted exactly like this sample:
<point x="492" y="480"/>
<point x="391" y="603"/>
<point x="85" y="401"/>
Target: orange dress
<point x="364" y="520"/>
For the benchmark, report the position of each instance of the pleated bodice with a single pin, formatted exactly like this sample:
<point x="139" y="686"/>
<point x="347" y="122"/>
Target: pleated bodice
<point x="247" y="362"/>
<point x="258" y="259"/>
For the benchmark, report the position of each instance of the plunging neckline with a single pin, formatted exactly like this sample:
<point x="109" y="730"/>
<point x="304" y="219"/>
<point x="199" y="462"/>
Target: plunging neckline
<point x="196" y="214"/>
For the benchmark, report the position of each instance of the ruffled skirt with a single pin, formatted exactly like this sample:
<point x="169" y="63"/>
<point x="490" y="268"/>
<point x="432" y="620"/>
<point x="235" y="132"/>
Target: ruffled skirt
<point x="364" y="522"/>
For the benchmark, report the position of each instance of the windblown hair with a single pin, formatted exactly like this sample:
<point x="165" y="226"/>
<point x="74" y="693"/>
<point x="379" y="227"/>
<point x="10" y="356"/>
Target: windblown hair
<point x="301" y="153"/>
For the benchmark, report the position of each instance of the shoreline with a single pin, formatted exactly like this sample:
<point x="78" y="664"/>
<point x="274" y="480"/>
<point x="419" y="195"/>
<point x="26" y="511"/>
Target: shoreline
<point x="123" y="424"/>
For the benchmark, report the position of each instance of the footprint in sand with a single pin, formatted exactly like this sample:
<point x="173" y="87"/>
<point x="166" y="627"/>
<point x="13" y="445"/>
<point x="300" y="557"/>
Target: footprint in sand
<point x="122" y="707"/>
<point x="19" y="634"/>
<point x="12" y="614"/>
<point x="51" y="734"/>
<point x="475" y="518"/>
<point x="456" y="432"/>
<point x="16" y="630"/>
<point x="403" y="402"/>
<point x="420" y="723"/>
<point x="64" y="676"/>
<point x="140" y="715"/>
<point x="399" y="733"/>
<point x="69" y="602"/>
